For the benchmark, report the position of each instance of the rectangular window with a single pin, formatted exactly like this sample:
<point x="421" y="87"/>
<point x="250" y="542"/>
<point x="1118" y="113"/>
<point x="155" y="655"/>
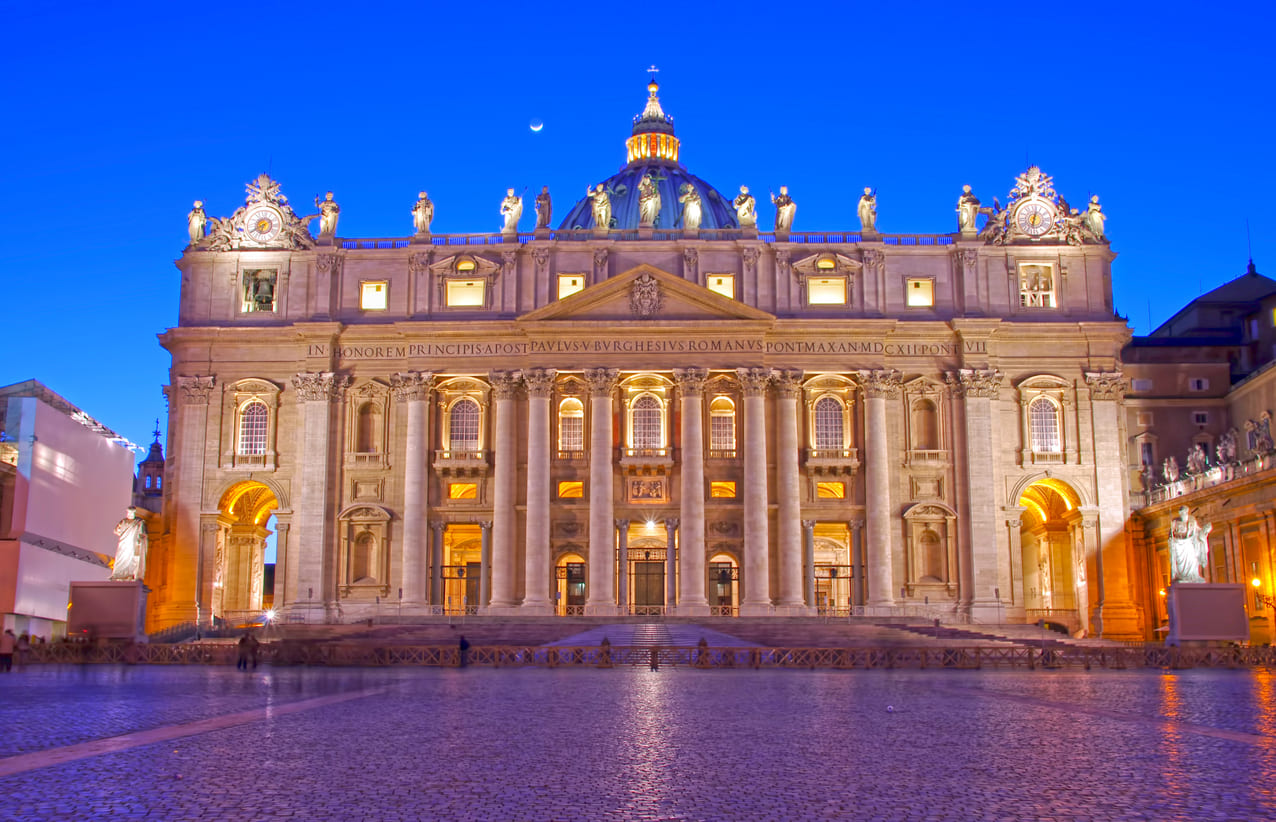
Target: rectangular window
<point x="571" y="490"/>
<point x="1147" y="454"/>
<point x="1143" y="418"/>
<point x="374" y="296"/>
<point x="723" y="284"/>
<point x="722" y="490"/>
<point x="569" y="284"/>
<point x="920" y="292"/>
<point x="1198" y="384"/>
<point x="1201" y="417"/>
<point x="1036" y="286"/>
<point x="259" y="289"/>
<point x="830" y="490"/>
<point x="826" y="291"/>
<point x="1141" y="385"/>
<point x="465" y="294"/>
<point x="462" y="490"/>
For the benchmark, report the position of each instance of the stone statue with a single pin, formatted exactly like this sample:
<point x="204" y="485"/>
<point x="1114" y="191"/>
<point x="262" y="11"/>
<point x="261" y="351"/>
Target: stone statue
<point x="544" y="208"/>
<point x="1170" y="470"/>
<point x="785" y="208"/>
<point x="1197" y="461"/>
<point x="994" y="230"/>
<point x="967" y="211"/>
<point x="328" y="212"/>
<point x="1225" y="451"/>
<point x="512" y="211"/>
<point x="868" y="211"/>
<point x="1147" y="475"/>
<point x="195" y="222"/>
<point x="422" y="213"/>
<point x="746" y="208"/>
<point x="601" y="206"/>
<point x="648" y="202"/>
<point x="130" y="553"/>
<point x="1094" y="217"/>
<point x="691" y="207"/>
<point x="1189" y="547"/>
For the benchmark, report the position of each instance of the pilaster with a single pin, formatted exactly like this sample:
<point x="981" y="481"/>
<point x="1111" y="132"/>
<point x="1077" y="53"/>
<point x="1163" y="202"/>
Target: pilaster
<point x="983" y="568"/>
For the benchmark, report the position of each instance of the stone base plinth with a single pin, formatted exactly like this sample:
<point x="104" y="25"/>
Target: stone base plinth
<point x="1204" y="611"/>
<point x="115" y="609"/>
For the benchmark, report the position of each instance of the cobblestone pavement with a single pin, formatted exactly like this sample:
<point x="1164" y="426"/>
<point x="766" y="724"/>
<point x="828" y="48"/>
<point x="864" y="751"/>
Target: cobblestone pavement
<point x="103" y="742"/>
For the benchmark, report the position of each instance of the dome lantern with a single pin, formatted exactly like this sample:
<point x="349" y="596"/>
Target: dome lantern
<point x="653" y="139"/>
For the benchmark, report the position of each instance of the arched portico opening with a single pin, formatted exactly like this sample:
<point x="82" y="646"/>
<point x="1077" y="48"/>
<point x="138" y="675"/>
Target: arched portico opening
<point x="570" y="581"/>
<point x="1052" y="544"/>
<point x="239" y="574"/>
<point x="724" y="585"/>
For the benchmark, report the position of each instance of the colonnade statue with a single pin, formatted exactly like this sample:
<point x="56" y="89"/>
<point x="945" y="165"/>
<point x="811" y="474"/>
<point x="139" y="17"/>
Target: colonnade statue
<point x="868" y="211"/>
<point x="130" y="552"/>
<point x="691" y="207"/>
<point x="544" y="208"/>
<point x="329" y="211"/>
<point x="785" y="209"/>
<point x="422" y="213"/>
<point x="1189" y="547"/>
<point x="511" y="211"/>
<point x="746" y="208"/>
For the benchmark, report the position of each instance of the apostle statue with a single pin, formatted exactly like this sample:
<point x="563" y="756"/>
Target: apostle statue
<point x="1197" y="461"/>
<point x="511" y="211"/>
<point x="328" y="213"/>
<point x="746" y="208"/>
<point x="601" y="206"/>
<point x="1170" y="470"/>
<point x="422" y="213"/>
<point x="544" y="208"/>
<point x="868" y="211"/>
<point x="1189" y="547"/>
<point x="195" y="222"/>
<point x="691" y="207"/>
<point x="967" y="211"/>
<point x="130" y="552"/>
<point x="785" y="208"/>
<point x="1094" y="217"/>
<point x="648" y="202"/>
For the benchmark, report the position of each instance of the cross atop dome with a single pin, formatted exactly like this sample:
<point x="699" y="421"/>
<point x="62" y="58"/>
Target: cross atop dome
<point x="652" y="137"/>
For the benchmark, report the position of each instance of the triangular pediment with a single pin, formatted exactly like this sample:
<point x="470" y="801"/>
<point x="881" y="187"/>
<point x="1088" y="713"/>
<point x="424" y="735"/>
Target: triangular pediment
<point x="646" y="294"/>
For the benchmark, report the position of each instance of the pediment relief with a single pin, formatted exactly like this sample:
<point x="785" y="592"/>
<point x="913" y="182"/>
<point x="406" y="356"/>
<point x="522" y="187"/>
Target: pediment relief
<point x="463" y="266"/>
<point x="365" y="513"/>
<point x="645" y="294"/>
<point x="252" y="386"/>
<point x="372" y="389"/>
<point x="824" y="264"/>
<point x="923" y="385"/>
<point x="1043" y="381"/>
<point x="929" y="511"/>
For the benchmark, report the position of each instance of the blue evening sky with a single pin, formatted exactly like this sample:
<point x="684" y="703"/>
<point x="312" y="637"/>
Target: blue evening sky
<point x="119" y="115"/>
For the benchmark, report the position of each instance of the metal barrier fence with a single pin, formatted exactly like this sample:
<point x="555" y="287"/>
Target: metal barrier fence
<point x="600" y="656"/>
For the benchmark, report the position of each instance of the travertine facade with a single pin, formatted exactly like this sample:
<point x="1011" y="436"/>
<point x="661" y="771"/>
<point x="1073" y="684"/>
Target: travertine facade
<point x="639" y="418"/>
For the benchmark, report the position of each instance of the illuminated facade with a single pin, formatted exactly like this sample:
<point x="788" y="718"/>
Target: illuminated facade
<point x="672" y="412"/>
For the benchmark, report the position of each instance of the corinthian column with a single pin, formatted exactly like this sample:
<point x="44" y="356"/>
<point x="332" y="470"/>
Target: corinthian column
<point x="878" y="387"/>
<point x="413" y="387"/>
<point x="504" y="386"/>
<point x="602" y="527"/>
<point x="757" y="568"/>
<point x="788" y="538"/>
<point x="691" y="553"/>
<point x="982" y="575"/>
<point x="540" y="383"/>
<point x="316" y="590"/>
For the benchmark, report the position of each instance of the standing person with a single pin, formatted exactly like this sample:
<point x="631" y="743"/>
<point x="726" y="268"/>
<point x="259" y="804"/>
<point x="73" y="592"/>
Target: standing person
<point x="24" y="650"/>
<point x="464" y="648"/>
<point x="7" y="643"/>
<point x="253" y="645"/>
<point x="241" y="662"/>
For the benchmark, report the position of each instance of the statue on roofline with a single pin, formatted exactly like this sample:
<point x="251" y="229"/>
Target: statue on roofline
<point x="746" y="208"/>
<point x="511" y="211"/>
<point x="967" y="210"/>
<point x="195" y="222"/>
<point x="600" y="206"/>
<point x="544" y="208"/>
<point x="785" y="209"/>
<point x="422" y="213"/>
<point x="648" y="202"/>
<point x="867" y="211"/>
<point x="691" y="207"/>
<point x="329" y="211"/>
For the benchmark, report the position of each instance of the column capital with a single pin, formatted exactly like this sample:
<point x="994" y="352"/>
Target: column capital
<point x="788" y="382"/>
<point x="319" y="386"/>
<point x="622" y="525"/>
<point x="671" y="524"/>
<point x="438" y="527"/>
<point x="485" y="525"/>
<point x="1105" y="385"/>
<point x="601" y="381"/>
<point x="411" y="385"/>
<point x="882" y="382"/>
<point x="196" y="390"/>
<point x="754" y="380"/>
<point x="690" y="381"/>
<point x="975" y="382"/>
<point x="808" y="524"/>
<point x="504" y="383"/>
<point x="539" y="381"/>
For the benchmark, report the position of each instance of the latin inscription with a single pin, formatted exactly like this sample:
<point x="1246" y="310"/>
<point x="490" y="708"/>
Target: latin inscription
<point x="640" y="346"/>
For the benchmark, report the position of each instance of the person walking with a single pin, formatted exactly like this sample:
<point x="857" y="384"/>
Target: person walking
<point x="7" y="643"/>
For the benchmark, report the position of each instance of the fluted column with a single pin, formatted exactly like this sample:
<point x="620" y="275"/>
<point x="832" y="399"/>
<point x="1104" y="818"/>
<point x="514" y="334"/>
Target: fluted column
<point x="808" y="559"/>
<point x="622" y="557"/>
<point x="878" y="387"/>
<point x="413" y="387"/>
<point x="691" y="554"/>
<point x="982" y="572"/>
<point x="757" y="567"/>
<point x="504" y="496"/>
<point x="1118" y="616"/>
<point x="540" y="384"/>
<point x="788" y="538"/>
<point x="316" y="392"/>
<point x="602" y="533"/>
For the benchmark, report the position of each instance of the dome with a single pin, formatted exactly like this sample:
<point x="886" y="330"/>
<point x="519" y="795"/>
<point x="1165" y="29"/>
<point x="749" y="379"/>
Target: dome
<point x="653" y="149"/>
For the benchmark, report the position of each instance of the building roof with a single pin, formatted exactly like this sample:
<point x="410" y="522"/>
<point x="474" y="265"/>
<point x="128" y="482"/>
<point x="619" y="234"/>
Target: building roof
<point x="1246" y="290"/>
<point x="40" y="391"/>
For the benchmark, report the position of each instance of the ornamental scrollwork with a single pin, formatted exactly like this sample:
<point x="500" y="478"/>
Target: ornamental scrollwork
<point x="1105" y="385"/>
<point x="690" y="381"/>
<point x="319" y="386"/>
<point x="504" y="383"/>
<point x="884" y="383"/>
<point x="754" y="380"/>
<point x="690" y="262"/>
<point x="539" y="381"/>
<point x="601" y="381"/>
<point x="645" y="297"/>
<point x="873" y="260"/>
<point x="273" y="222"/>
<point x="750" y="255"/>
<point x="411" y="385"/>
<point x="196" y="390"/>
<point x="975" y="382"/>
<point x="788" y="382"/>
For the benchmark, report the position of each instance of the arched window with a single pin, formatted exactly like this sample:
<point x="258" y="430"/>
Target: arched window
<point x="463" y="425"/>
<point x="647" y="423"/>
<point x="361" y="558"/>
<point x="366" y="432"/>
<point x="925" y="426"/>
<point x="571" y="425"/>
<point x="254" y="420"/>
<point x="828" y="425"/>
<point x="721" y="424"/>
<point x="1043" y="426"/>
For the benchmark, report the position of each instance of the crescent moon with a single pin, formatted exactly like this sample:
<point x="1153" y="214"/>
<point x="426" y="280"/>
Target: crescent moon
<point x="536" y="125"/>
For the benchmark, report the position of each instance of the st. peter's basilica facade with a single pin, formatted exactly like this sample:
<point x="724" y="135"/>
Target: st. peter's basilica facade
<point x="656" y="407"/>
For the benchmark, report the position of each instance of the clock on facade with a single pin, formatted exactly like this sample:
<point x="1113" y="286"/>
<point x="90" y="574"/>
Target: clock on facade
<point x="263" y="224"/>
<point x="1035" y="217"/>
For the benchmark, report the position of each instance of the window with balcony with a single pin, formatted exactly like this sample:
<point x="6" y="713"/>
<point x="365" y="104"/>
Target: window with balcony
<point x="1043" y="426"/>
<point x="722" y="426"/>
<point x="463" y="426"/>
<point x="647" y="429"/>
<point x="829" y="426"/>
<point x="571" y="426"/>
<point x="254" y="426"/>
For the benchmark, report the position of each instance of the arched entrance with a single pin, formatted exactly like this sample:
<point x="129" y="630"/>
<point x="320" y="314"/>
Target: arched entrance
<point x="1052" y="545"/>
<point x="724" y="585"/>
<point x="569" y="585"/>
<point x="239" y="574"/>
<point x="462" y="568"/>
<point x="647" y="559"/>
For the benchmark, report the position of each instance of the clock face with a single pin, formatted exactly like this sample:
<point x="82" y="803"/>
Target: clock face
<point x="263" y="224"/>
<point x="1035" y="218"/>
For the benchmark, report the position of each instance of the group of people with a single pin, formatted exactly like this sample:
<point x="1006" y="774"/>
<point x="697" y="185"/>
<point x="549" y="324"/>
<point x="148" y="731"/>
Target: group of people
<point x="11" y="645"/>
<point x="248" y="650"/>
